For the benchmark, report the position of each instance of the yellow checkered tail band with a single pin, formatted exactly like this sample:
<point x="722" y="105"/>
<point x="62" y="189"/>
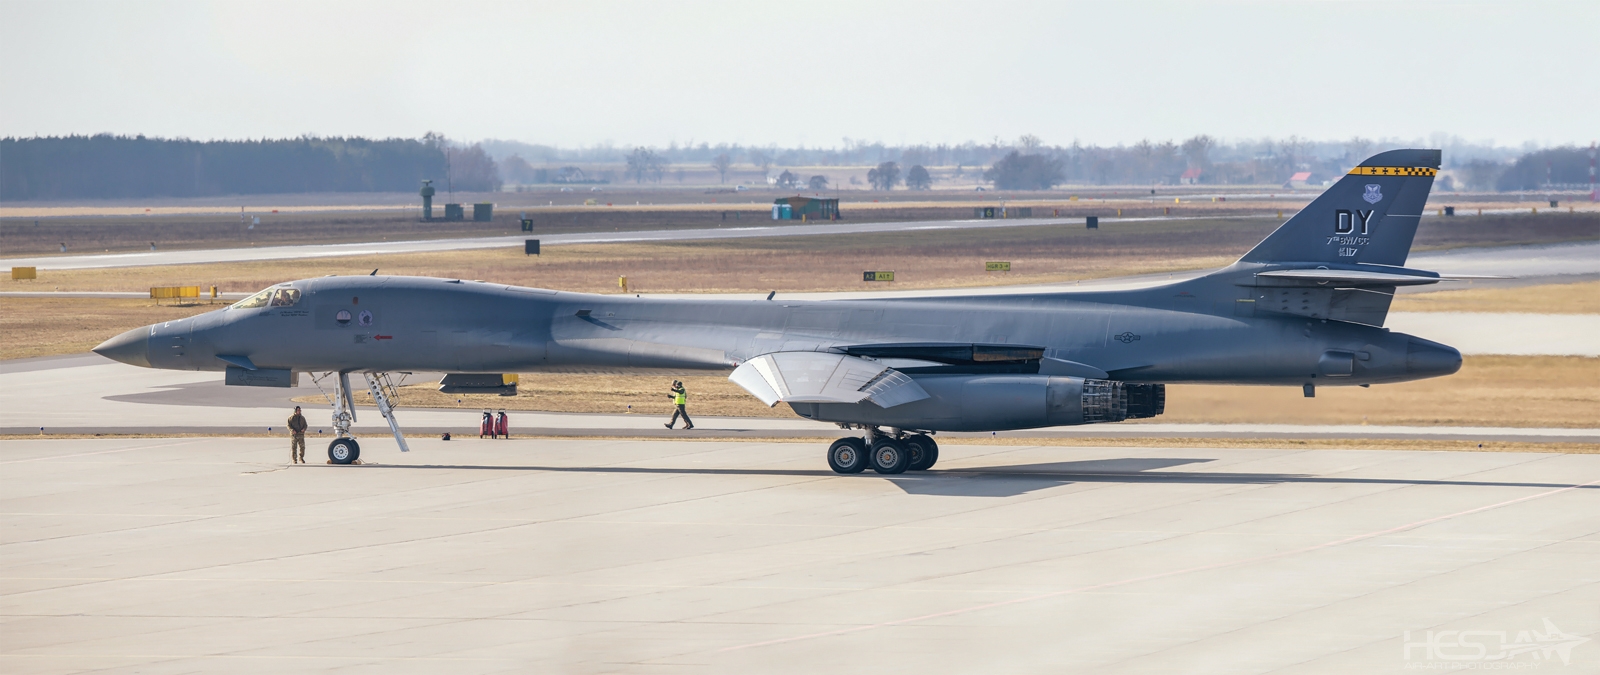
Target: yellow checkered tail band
<point x="1393" y="171"/>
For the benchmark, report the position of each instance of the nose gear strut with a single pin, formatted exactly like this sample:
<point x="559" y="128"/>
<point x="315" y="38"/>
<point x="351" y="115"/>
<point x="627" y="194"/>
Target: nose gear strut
<point x="344" y="449"/>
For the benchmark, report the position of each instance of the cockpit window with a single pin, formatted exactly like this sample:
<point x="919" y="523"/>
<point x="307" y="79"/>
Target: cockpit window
<point x="254" y="301"/>
<point x="285" y="297"/>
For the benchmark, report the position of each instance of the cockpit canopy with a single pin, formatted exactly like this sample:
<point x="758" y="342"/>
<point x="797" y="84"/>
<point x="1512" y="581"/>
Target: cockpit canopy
<point x="277" y="296"/>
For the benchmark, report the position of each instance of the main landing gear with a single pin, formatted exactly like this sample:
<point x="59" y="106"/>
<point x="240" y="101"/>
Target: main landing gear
<point x="344" y="449"/>
<point x="887" y="453"/>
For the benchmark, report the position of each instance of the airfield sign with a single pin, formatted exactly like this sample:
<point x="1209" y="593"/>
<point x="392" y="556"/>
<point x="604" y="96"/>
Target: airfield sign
<point x="997" y="267"/>
<point x="877" y="276"/>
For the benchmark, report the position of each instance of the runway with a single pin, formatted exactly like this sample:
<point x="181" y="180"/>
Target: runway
<point x="202" y="256"/>
<point x="212" y="555"/>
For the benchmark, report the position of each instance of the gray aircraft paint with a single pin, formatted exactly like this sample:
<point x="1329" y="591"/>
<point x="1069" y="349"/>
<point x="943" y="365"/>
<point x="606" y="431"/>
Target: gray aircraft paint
<point x="1318" y="321"/>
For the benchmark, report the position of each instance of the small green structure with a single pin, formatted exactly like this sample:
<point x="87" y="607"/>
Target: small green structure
<point x="427" y="199"/>
<point x="805" y="208"/>
<point x="483" y="212"/>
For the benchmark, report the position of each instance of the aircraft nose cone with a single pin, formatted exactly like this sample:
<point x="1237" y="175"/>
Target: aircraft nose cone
<point x="1431" y="359"/>
<point x="132" y="347"/>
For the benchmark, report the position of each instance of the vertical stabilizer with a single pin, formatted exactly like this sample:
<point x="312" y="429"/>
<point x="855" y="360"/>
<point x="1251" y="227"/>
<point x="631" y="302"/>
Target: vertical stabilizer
<point x="1369" y="216"/>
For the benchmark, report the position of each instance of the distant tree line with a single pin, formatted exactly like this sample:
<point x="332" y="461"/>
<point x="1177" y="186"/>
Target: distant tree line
<point x="107" y="166"/>
<point x="1552" y="168"/>
<point x="1029" y="161"/>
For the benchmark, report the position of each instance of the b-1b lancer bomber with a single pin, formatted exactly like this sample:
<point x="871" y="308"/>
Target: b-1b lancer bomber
<point x="1303" y="308"/>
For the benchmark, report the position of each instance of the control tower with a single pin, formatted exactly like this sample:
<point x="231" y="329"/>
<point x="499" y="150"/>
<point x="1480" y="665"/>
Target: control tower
<point x="427" y="199"/>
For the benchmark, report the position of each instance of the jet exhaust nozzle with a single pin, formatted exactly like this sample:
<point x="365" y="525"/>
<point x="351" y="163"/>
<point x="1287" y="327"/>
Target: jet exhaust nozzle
<point x="1430" y="359"/>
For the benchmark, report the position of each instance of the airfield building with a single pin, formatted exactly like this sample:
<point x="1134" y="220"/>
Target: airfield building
<point x="805" y="208"/>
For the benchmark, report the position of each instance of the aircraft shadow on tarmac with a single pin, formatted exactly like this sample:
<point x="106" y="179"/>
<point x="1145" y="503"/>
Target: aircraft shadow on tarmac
<point x="1019" y="479"/>
<point x="214" y="394"/>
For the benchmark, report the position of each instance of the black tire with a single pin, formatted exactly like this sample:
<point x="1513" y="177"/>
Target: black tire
<point x="924" y="452"/>
<point x="344" y="451"/>
<point x="889" y="456"/>
<point x="847" y="455"/>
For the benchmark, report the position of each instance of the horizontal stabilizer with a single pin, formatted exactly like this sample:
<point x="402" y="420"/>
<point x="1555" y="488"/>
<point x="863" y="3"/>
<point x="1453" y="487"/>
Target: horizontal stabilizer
<point x="1368" y="277"/>
<point x="821" y="377"/>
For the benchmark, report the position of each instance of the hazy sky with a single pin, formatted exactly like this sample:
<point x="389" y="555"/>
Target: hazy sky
<point x="582" y="72"/>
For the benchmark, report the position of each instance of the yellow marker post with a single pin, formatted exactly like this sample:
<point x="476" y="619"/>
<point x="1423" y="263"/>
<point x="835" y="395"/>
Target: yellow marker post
<point x="622" y="283"/>
<point x="1536" y="210"/>
<point x="1175" y="200"/>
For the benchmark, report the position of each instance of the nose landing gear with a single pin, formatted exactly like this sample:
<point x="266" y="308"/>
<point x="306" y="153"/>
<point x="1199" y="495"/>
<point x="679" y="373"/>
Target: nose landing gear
<point x="344" y="449"/>
<point x="887" y="453"/>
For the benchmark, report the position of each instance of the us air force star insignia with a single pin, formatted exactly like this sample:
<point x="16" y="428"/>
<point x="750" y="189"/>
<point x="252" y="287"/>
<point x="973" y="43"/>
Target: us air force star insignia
<point x="1126" y="337"/>
<point x="1374" y="194"/>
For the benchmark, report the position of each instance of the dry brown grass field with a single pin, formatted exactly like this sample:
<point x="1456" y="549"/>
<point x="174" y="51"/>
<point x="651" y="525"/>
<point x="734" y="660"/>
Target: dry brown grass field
<point x="1577" y="298"/>
<point x="1494" y="391"/>
<point x="51" y="326"/>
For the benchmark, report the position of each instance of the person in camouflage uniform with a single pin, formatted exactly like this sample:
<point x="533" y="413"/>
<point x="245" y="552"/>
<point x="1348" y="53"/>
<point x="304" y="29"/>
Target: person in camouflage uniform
<point x="297" y="447"/>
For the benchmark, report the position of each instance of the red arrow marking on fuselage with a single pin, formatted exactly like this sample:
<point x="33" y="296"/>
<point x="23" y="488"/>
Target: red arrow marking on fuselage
<point x="383" y="337"/>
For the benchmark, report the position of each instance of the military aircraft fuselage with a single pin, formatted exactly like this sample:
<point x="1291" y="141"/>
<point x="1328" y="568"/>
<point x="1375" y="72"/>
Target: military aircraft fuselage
<point x="1159" y="334"/>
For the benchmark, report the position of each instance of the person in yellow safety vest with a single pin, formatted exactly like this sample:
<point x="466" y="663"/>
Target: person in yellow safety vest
<point x="680" y="398"/>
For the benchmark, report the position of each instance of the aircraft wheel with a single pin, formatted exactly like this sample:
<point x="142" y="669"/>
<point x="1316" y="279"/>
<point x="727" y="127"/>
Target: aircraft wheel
<point x="847" y="455"/>
<point x="344" y="451"/>
<point x="889" y="456"/>
<point x="924" y="452"/>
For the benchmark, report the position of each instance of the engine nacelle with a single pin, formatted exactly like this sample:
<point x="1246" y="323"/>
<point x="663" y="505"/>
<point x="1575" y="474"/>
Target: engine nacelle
<point x="1000" y="403"/>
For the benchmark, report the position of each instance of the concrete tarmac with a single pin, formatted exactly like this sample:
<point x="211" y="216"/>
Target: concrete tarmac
<point x="586" y="556"/>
